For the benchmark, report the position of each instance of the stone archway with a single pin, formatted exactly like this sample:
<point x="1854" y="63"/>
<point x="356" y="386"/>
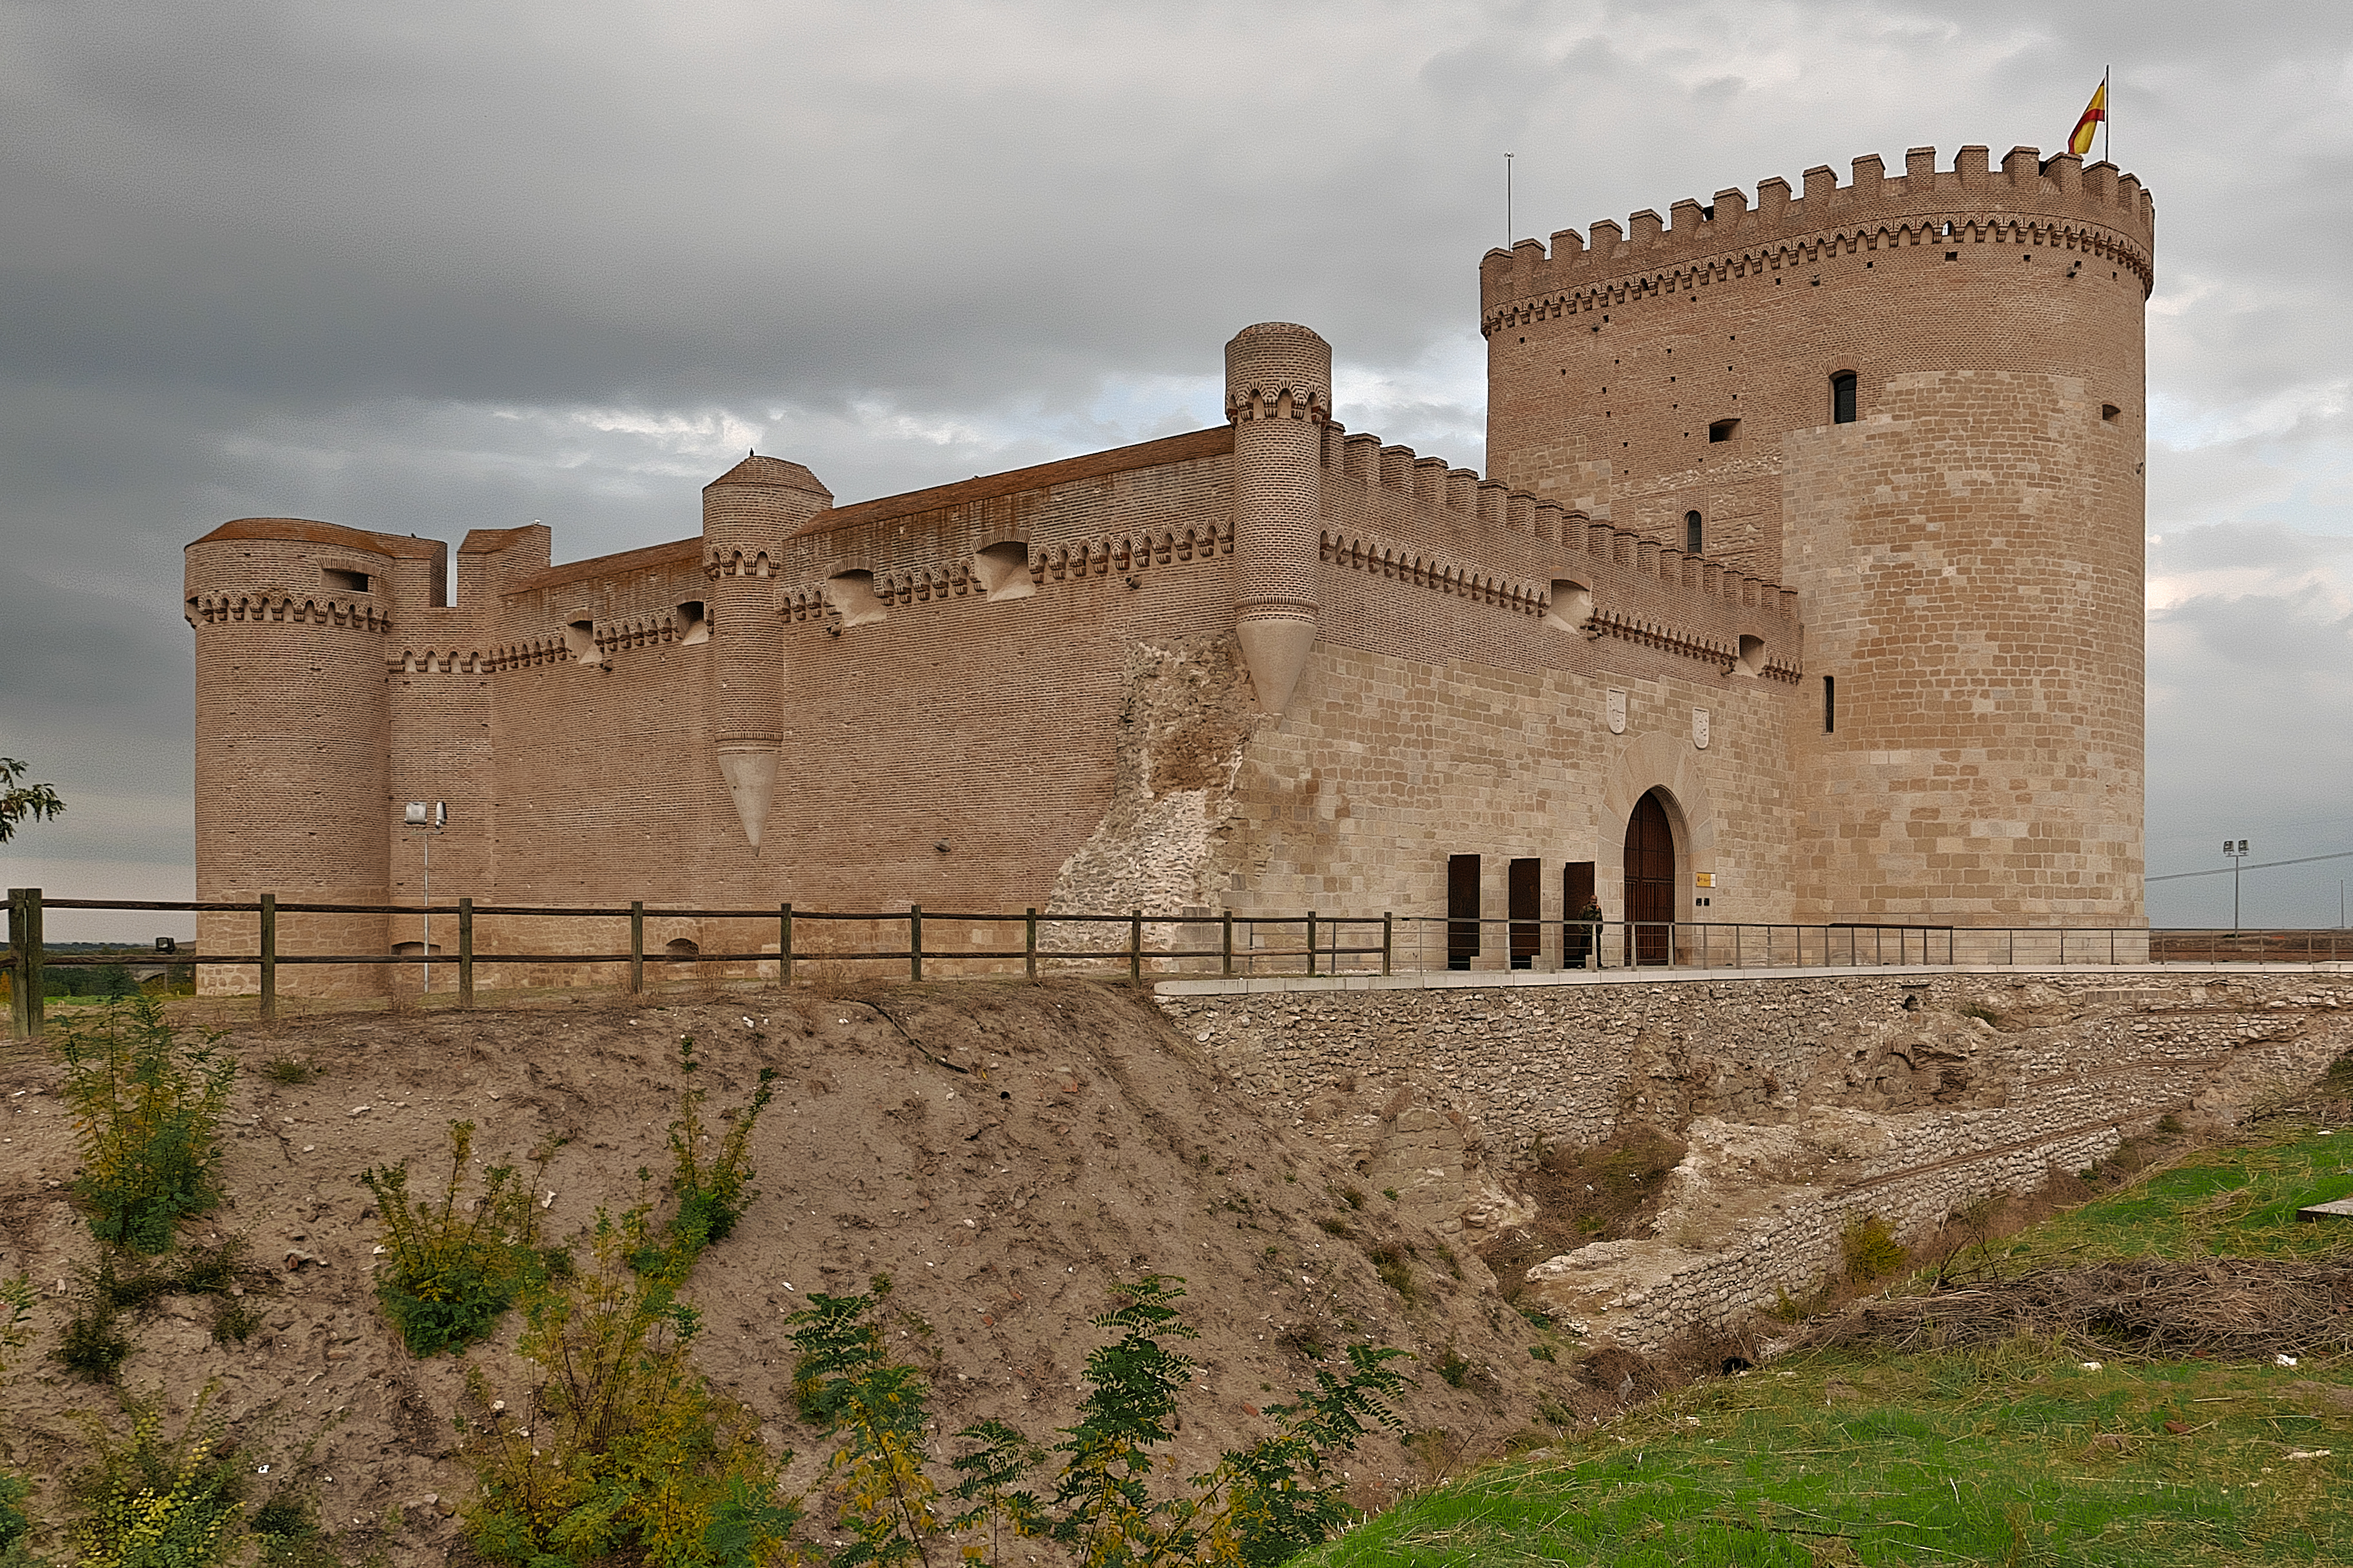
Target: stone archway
<point x="1668" y="765"/>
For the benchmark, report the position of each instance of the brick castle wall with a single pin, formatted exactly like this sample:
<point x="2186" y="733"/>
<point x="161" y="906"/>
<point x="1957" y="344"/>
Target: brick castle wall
<point x="1277" y="665"/>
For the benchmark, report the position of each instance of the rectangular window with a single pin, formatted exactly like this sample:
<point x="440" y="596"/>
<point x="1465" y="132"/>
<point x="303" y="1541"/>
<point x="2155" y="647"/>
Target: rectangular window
<point x="339" y="581"/>
<point x="1524" y="893"/>
<point x="1829" y="704"/>
<point x="1842" y="399"/>
<point x="1461" y="910"/>
<point x="1724" y="430"/>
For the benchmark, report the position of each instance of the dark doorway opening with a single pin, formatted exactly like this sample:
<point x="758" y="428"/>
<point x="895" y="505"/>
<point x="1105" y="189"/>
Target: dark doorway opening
<point x="1580" y="914"/>
<point x="1651" y="881"/>
<point x="1524" y="893"/>
<point x="1461" y="910"/>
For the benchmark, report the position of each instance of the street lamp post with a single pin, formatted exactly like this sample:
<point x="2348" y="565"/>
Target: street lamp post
<point x="2237" y="851"/>
<point x="431" y="816"/>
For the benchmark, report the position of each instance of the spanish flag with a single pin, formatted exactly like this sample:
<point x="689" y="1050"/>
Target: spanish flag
<point x="2080" y="141"/>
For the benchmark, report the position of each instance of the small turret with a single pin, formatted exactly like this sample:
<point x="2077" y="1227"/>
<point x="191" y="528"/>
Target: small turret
<point x="747" y="514"/>
<point x="1278" y="396"/>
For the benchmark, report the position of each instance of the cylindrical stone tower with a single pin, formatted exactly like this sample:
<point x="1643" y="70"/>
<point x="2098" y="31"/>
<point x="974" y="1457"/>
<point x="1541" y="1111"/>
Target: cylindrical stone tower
<point x="747" y="513"/>
<point x="1917" y="399"/>
<point x="1278" y="396"/>
<point x="292" y="728"/>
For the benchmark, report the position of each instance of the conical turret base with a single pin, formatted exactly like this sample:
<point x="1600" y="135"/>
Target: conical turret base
<point x="751" y="775"/>
<point x="1276" y="649"/>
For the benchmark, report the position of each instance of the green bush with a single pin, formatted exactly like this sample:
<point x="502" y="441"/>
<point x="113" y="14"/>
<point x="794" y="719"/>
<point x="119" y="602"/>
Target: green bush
<point x="711" y="1192"/>
<point x="157" y="1504"/>
<point x="1870" y="1250"/>
<point x="453" y="1270"/>
<point x="1259" y="1505"/>
<point x="146" y="1109"/>
<point x="843" y="1382"/>
<point x="93" y="1344"/>
<point x="622" y="1452"/>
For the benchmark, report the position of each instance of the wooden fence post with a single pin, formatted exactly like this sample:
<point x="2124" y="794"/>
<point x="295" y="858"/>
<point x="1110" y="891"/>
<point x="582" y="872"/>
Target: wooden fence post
<point x="25" y="1009"/>
<point x="785" y="946"/>
<point x="269" y="958"/>
<point x="1030" y="945"/>
<point x="1226" y="961"/>
<point x="914" y="941"/>
<point x="1135" y="946"/>
<point x="636" y="946"/>
<point x="465" y="952"/>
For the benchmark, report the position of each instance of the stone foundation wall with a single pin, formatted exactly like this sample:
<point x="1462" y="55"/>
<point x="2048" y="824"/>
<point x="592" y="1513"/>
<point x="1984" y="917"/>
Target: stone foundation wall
<point x="1804" y="1101"/>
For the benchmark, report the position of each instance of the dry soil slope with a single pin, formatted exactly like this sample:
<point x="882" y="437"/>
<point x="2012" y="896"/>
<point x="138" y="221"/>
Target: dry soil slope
<point x="1003" y="1152"/>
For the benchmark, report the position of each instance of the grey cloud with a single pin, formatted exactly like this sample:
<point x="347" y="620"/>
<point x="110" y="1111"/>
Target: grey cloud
<point x="381" y="265"/>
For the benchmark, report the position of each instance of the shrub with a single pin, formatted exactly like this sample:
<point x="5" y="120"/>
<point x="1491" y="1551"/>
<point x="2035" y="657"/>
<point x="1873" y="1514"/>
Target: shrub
<point x="711" y="1193"/>
<point x="1259" y="1505"/>
<point x="454" y="1270"/>
<point x="158" y="1504"/>
<point x="146" y="1109"/>
<point x="93" y="1345"/>
<point x="1870" y="1250"/>
<point x="843" y="1382"/>
<point x="623" y="1450"/>
<point x="289" y="1070"/>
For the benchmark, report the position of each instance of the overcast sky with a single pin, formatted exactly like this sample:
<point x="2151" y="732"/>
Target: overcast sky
<point x="427" y="266"/>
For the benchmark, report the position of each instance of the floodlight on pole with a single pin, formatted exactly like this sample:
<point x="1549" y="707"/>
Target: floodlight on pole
<point x="433" y="817"/>
<point x="2237" y="851"/>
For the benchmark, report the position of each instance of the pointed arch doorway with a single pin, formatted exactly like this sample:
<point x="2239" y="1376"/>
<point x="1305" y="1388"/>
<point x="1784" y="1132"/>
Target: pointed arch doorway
<point x="1651" y="881"/>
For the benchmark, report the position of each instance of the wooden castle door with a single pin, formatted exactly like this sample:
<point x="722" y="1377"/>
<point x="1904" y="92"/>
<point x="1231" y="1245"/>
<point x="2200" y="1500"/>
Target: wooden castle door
<point x="1651" y="880"/>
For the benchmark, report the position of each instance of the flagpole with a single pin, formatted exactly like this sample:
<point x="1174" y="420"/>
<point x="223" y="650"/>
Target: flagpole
<point x="2107" y="117"/>
<point x="1507" y="199"/>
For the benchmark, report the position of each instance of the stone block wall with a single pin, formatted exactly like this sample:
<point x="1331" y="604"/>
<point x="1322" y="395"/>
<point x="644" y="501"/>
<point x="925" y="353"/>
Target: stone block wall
<point x="1805" y="1101"/>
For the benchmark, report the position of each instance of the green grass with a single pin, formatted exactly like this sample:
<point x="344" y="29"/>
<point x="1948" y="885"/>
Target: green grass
<point x="2014" y="1454"/>
<point x="2237" y="1202"/>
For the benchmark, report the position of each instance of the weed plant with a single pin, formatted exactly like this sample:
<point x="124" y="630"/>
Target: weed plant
<point x="15" y="1333"/>
<point x="622" y="1452"/>
<point x="877" y="1411"/>
<point x="1259" y="1505"/>
<point x="710" y="1185"/>
<point x="159" y="1503"/>
<point x="455" y="1267"/>
<point x="146" y="1107"/>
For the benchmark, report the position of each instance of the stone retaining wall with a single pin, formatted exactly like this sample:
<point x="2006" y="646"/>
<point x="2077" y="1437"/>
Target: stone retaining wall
<point x="1805" y="1102"/>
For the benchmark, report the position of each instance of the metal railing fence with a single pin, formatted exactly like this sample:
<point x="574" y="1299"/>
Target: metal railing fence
<point x="1218" y="945"/>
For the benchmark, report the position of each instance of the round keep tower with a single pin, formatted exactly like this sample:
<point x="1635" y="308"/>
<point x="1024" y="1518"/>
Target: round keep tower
<point x="747" y="514"/>
<point x="1278" y="397"/>
<point x="1917" y="399"/>
<point x="293" y="794"/>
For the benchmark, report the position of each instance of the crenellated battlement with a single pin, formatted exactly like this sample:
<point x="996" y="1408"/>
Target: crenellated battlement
<point x="1457" y="512"/>
<point x="2028" y="200"/>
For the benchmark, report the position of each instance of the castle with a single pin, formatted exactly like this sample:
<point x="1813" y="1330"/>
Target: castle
<point x="1806" y="583"/>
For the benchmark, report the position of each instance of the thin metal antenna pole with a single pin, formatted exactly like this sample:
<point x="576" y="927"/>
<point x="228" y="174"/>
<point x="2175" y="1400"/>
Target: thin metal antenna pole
<point x="428" y="911"/>
<point x="1507" y="199"/>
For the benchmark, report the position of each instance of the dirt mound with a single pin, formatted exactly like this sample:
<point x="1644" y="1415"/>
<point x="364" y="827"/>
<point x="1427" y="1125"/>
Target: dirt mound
<point x="1003" y="1152"/>
<point x="2229" y="1309"/>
